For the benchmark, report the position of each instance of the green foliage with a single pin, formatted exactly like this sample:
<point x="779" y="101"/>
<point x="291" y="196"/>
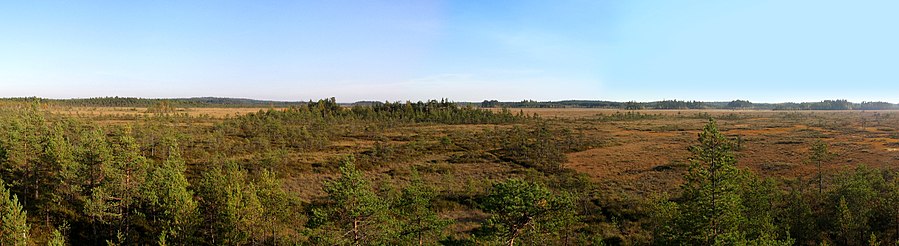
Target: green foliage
<point x="115" y="200"/>
<point x="860" y="201"/>
<point x="353" y="214"/>
<point x="519" y="209"/>
<point x="56" y="239"/>
<point x="230" y="205"/>
<point x="762" y="200"/>
<point x="420" y="222"/>
<point x="22" y="152"/>
<point x="434" y="111"/>
<point x="819" y="155"/>
<point x="741" y="104"/>
<point x="876" y="106"/>
<point x="162" y="107"/>
<point x="309" y="127"/>
<point x="61" y="173"/>
<point x="713" y="209"/>
<point x="799" y="217"/>
<point x="537" y="148"/>
<point x="168" y="204"/>
<point x="14" y="228"/>
<point x="676" y="104"/>
<point x="170" y="180"/>
<point x="281" y="209"/>
<point x="628" y="116"/>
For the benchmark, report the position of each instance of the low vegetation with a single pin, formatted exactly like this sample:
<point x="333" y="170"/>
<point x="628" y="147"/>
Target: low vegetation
<point x="437" y="172"/>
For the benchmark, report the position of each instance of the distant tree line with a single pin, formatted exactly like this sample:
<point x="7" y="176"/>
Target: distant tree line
<point x="199" y="102"/>
<point x="558" y="104"/>
<point x="207" y="102"/>
<point x="678" y="104"/>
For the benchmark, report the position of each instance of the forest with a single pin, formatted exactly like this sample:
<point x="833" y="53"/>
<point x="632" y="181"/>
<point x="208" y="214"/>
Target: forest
<point x="436" y="173"/>
<point x="148" y="102"/>
<point x="680" y="104"/>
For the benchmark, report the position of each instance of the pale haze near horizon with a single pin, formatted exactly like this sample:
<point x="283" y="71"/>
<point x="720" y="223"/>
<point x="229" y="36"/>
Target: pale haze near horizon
<point x="763" y="51"/>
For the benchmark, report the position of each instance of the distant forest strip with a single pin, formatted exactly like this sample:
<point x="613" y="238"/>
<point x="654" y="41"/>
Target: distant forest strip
<point x="677" y="104"/>
<point x="218" y="102"/>
<point x="197" y="102"/>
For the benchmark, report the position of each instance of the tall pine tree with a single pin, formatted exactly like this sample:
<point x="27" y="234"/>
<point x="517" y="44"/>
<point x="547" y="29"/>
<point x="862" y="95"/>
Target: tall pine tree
<point x="420" y="222"/>
<point x="281" y="211"/>
<point x="115" y="199"/>
<point x="353" y="215"/>
<point x="230" y="206"/>
<point x="169" y="205"/>
<point x="14" y="227"/>
<point x="711" y="210"/>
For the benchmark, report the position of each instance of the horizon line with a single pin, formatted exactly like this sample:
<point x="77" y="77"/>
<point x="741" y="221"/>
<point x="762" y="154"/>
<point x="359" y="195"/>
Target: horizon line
<point x="444" y="98"/>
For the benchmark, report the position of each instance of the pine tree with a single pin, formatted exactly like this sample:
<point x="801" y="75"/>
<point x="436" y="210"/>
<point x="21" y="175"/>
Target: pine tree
<point x="857" y="203"/>
<point x="169" y="204"/>
<point x="819" y="155"/>
<point x="280" y="207"/>
<point x="56" y="239"/>
<point x="519" y="208"/>
<point x="231" y="206"/>
<point x="14" y="227"/>
<point x="115" y="198"/>
<point x="420" y="222"/>
<point x="847" y="222"/>
<point x="354" y="214"/>
<point x="760" y="202"/>
<point x="712" y="208"/>
<point x="21" y="149"/>
<point x="61" y="176"/>
<point x="798" y="214"/>
<point x="13" y="147"/>
<point x="563" y="222"/>
<point x="35" y="129"/>
<point x="95" y="154"/>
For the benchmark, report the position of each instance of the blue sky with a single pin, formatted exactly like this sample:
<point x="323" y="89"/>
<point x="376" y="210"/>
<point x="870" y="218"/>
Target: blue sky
<point x="764" y="50"/>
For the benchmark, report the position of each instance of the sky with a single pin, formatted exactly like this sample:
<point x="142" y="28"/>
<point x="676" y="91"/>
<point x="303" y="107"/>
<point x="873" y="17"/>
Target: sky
<point x="642" y="50"/>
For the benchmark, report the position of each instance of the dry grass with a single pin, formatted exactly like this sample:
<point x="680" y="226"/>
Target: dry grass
<point x="650" y="155"/>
